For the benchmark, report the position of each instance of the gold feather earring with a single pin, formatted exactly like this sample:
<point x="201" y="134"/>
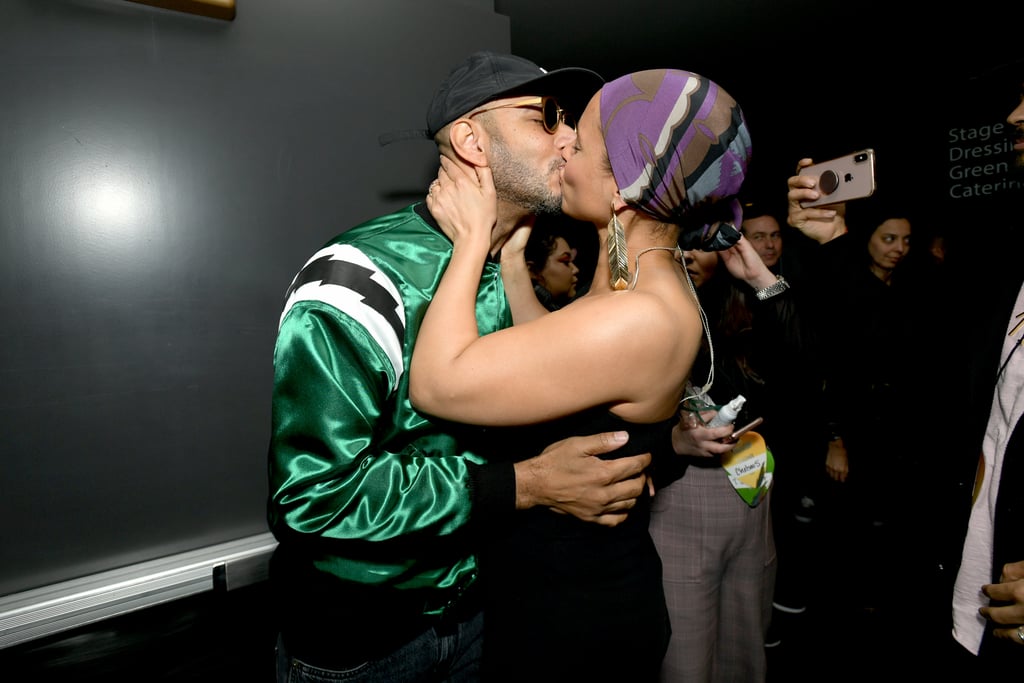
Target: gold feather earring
<point x="617" y="261"/>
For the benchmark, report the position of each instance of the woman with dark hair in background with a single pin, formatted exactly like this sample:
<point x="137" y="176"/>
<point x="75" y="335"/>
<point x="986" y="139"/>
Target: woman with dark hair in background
<point x="878" y="312"/>
<point x="551" y="261"/>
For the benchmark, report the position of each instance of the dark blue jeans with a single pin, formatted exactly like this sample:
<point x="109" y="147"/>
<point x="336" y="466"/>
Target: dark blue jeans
<point x="443" y="653"/>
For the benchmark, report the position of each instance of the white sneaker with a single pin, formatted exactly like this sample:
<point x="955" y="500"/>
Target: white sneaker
<point x="806" y="512"/>
<point x="772" y="639"/>
<point x="789" y="610"/>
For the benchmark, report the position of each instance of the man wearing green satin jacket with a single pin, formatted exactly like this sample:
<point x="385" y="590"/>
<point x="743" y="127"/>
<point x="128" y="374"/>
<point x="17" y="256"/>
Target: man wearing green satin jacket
<point x="377" y="508"/>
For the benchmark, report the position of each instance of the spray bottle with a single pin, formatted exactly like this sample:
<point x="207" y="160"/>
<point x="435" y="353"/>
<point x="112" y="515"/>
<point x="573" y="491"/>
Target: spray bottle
<point x="728" y="413"/>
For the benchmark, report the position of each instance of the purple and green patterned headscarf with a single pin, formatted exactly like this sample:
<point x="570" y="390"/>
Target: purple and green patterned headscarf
<point x="676" y="142"/>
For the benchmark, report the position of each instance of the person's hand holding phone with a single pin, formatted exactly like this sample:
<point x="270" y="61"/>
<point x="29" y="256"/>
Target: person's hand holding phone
<point x="732" y="438"/>
<point x="690" y="437"/>
<point x="820" y="224"/>
<point x="843" y="179"/>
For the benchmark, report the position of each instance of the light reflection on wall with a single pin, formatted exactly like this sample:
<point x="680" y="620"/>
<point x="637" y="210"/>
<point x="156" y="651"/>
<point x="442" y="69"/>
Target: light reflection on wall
<point x="102" y="204"/>
<point x="106" y="202"/>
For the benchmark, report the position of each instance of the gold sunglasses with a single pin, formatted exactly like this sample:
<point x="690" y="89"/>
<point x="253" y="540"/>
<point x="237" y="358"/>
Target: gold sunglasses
<point x="551" y="114"/>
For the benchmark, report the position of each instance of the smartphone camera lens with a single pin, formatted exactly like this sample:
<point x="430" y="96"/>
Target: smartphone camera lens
<point x="860" y="158"/>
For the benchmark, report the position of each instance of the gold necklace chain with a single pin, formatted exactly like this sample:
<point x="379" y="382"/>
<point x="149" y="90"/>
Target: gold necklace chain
<point x="636" y="261"/>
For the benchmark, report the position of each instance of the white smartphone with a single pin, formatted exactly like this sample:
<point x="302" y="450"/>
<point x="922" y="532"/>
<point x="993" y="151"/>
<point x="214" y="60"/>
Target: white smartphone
<point x="843" y="178"/>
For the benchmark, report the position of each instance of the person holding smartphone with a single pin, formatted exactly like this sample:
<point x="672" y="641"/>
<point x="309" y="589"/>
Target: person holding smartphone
<point x="716" y="547"/>
<point x="875" y="305"/>
<point x="882" y="501"/>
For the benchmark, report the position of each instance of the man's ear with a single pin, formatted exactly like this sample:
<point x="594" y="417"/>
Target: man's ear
<point x="469" y="141"/>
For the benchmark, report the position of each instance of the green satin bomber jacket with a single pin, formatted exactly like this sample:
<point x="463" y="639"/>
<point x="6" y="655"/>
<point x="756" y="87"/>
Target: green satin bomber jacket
<point x="362" y="486"/>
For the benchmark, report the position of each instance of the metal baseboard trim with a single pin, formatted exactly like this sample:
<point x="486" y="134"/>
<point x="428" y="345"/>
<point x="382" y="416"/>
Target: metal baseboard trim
<point x="62" y="606"/>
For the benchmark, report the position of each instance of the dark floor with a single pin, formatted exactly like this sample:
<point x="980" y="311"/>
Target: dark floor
<point x="838" y="647"/>
<point x="215" y="636"/>
<point x="877" y="607"/>
<point x="230" y="637"/>
<point x="842" y="647"/>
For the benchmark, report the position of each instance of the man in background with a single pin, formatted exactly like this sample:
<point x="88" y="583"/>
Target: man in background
<point x="763" y="231"/>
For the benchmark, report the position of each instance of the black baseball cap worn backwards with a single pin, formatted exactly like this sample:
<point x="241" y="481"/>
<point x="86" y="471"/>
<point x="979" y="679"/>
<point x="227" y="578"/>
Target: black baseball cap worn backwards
<point x="485" y="76"/>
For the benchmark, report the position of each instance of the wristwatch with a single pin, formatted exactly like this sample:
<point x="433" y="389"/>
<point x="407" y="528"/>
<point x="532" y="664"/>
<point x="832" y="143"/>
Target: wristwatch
<point x="778" y="287"/>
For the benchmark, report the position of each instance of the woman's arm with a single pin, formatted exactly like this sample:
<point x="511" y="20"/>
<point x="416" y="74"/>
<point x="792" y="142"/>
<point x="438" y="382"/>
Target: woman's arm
<point x="516" y="277"/>
<point x="602" y="351"/>
<point x="623" y="348"/>
<point x="463" y="201"/>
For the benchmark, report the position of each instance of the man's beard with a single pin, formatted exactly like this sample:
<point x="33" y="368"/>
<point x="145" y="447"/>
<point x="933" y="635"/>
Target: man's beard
<point x="516" y="183"/>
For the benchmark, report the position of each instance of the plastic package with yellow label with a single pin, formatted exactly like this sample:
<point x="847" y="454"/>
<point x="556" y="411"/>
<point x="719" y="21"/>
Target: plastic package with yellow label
<point x="750" y="467"/>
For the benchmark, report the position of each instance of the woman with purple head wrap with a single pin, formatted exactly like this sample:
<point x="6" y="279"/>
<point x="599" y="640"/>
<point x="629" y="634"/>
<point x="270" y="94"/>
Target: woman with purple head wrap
<point x="677" y="143"/>
<point x="658" y="157"/>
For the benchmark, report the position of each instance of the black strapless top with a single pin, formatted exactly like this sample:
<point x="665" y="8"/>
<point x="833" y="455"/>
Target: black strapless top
<point x="569" y="599"/>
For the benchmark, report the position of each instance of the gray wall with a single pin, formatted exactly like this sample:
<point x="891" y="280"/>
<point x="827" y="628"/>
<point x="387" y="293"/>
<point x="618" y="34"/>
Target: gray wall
<point x="162" y="178"/>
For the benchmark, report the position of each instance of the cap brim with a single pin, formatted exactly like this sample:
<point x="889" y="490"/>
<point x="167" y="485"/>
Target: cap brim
<point x="573" y="87"/>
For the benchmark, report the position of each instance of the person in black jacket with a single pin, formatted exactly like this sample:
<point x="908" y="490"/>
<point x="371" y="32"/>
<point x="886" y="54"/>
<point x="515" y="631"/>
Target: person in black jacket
<point x="875" y="312"/>
<point x="718" y="551"/>
<point x="979" y="411"/>
<point x="791" y="377"/>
